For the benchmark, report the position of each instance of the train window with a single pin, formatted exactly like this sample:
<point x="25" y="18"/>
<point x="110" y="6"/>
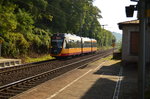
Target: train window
<point x="94" y="44"/>
<point x="73" y="44"/>
<point x="67" y="44"/>
<point x="70" y="43"/>
<point x="78" y="44"/>
<point x="87" y="44"/>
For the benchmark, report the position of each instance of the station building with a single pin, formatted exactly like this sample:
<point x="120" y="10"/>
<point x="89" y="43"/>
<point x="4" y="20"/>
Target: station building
<point x="130" y="42"/>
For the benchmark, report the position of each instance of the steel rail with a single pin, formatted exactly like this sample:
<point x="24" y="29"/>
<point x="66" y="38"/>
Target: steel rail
<point x="47" y="72"/>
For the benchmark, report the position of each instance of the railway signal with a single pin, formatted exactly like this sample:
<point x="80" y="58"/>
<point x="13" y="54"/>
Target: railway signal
<point x="113" y="44"/>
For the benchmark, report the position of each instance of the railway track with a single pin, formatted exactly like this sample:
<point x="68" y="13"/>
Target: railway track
<point x="15" y="80"/>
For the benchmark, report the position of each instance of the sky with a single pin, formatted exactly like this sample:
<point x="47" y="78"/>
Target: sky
<point x="113" y="12"/>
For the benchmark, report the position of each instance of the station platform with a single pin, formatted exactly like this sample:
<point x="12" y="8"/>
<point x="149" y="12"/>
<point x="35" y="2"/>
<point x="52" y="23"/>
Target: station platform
<point x="9" y="62"/>
<point x="103" y="79"/>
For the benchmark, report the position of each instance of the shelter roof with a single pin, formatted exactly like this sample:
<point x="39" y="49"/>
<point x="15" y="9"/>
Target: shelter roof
<point x="132" y="22"/>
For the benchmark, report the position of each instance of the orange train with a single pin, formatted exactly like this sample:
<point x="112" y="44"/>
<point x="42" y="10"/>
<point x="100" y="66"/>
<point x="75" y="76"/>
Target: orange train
<point x="64" y="45"/>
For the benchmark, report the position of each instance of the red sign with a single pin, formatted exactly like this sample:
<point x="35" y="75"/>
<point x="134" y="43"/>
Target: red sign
<point x="113" y="45"/>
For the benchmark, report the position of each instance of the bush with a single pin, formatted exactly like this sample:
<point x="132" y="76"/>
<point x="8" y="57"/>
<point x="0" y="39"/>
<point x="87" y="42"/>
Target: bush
<point x="25" y="22"/>
<point x="41" y="41"/>
<point x="14" y="45"/>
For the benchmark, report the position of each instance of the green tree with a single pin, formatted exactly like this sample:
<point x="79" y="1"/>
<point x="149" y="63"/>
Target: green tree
<point x="26" y="25"/>
<point x="8" y="20"/>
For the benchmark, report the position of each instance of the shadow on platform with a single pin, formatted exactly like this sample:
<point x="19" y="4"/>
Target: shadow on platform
<point x="104" y="87"/>
<point x="109" y="70"/>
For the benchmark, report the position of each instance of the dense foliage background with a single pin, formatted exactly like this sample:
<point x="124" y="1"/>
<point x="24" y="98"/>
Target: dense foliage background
<point x="26" y="25"/>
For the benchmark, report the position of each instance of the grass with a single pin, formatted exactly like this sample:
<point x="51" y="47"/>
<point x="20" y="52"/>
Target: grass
<point x="42" y="58"/>
<point x="110" y="57"/>
<point x="30" y="59"/>
<point x="2" y="58"/>
<point x="107" y="58"/>
<point x="105" y="47"/>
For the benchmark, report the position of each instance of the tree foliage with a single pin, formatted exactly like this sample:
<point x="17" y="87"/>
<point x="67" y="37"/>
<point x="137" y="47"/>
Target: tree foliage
<point x="26" y="25"/>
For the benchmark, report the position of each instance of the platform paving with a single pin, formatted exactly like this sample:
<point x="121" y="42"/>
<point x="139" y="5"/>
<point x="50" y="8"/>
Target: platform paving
<point x="98" y="80"/>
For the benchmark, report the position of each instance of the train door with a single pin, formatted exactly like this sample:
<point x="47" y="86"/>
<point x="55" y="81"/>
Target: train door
<point x="91" y="46"/>
<point x="82" y="43"/>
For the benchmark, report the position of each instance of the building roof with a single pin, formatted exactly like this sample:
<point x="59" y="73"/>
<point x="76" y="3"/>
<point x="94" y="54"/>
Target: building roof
<point x="132" y="22"/>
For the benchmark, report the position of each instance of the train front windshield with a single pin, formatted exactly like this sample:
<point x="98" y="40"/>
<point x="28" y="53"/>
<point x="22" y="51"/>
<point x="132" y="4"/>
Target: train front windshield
<point x="57" y="43"/>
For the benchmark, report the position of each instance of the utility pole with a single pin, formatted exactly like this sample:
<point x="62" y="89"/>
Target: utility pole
<point x="104" y="34"/>
<point x="104" y="25"/>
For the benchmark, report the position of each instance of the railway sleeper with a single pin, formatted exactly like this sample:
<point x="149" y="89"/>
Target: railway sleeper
<point x="13" y="91"/>
<point x="22" y="85"/>
<point x="38" y="80"/>
<point x="19" y="88"/>
<point x="26" y="86"/>
<point x="4" y="97"/>
<point x="6" y="94"/>
<point x="30" y="83"/>
<point x="27" y="83"/>
<point x="41" y="76"/>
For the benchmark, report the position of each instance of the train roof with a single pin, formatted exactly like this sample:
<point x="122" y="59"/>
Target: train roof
<point x="93" y="39"/>
<point x="67" y="35"/>
<point x="64" y="34"/>
<point x="73" y="36"/>
<point x="86" y="39"/>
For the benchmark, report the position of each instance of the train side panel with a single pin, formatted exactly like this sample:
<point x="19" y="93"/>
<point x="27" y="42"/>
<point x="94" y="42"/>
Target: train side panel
<point x="94" y="45"/>
<point x="87" y="50"/>
<point x="86" y="45"/>
<point x="70" y="51"/>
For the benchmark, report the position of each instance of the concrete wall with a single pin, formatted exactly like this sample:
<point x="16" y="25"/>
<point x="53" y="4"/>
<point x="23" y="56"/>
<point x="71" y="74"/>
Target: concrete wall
<point x="126" y="43"/>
